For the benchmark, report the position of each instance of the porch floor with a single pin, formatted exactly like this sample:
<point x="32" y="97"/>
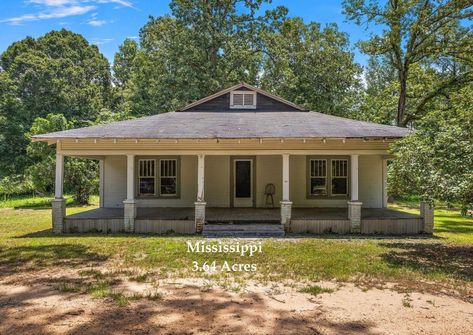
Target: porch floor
<point x="243" y="214"/>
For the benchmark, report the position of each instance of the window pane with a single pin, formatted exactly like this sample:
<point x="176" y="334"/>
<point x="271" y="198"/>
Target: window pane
<point x="318" y="186"/>
<point x="339" y="168"/>
<point x="318" y="168"/>
<point x="147" y="186"/>
<point x="168" y="186"/>
<point x="339" y="186"/>
<point x="168" y="168"/>
<point x="146" y="168"/>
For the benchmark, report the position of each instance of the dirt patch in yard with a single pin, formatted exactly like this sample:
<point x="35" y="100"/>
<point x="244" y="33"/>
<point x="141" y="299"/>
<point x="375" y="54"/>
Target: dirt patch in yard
<point x="34" y="304"/>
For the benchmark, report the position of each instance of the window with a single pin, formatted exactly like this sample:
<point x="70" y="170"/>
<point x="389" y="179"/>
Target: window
<point x="339" y="177"/>
<point x="168" y="177"/>
<point x="327" y="177"/>
<point x="318" y="177"/>
<point x="147" y="177"/>
<point x="243" y="100"/>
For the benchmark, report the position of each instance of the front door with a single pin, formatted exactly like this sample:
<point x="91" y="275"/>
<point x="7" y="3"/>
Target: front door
<point x="243" y="183"/>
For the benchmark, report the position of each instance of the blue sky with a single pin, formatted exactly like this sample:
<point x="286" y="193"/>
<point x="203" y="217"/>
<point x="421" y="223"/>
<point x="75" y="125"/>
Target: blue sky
<point x="107" y="23"/>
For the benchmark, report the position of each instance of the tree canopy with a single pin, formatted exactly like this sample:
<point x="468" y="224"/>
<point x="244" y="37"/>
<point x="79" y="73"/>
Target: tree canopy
<point x="205" y="46"/>
<point x="419" y="75"/>
<point x="422" y="32"/>
<point x="58" y="73"/>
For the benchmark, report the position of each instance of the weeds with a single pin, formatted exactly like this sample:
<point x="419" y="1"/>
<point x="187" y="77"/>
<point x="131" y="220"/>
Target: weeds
<point x="315" y="290"/>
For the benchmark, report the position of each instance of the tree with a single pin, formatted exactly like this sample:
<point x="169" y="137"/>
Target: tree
<point x="81" y="175"/>
<point x="59" y="73"/>
<point x="437" y="160"/>
<point x="311" y="66"/>
<point x="202" y="47"/>
<point x="123" y="62"/>
<point x="417" y="32"/>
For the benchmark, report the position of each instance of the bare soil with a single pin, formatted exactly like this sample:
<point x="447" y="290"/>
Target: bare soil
<point x="30" y="303"/>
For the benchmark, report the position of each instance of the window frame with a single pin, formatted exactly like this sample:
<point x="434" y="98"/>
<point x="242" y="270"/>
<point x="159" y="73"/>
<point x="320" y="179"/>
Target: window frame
<point x="232" y="106"/>
<point x="157" y="180"/>
<point x="147" y="177"/>
<point x="160" y="177"/>
<point x="325" y="176"/>
<point x="345" y="177"/>
<point x="329" y="177"/>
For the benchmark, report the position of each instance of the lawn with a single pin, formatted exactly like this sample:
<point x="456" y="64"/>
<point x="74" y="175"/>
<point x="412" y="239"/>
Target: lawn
<point x="446" y="259"/>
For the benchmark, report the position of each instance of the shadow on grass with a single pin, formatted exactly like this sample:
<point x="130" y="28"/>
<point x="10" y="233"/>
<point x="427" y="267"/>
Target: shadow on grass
<point x="372" y="237"/>
<point x="454" y="227"/>
<point x="43" y="255"/>
<point x="430" y="258"/>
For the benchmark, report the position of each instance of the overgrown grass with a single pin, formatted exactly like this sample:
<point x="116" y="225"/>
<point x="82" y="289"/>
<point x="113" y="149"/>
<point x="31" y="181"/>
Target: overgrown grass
<point x="26" y="241"/>
<point x="25" y="202"/>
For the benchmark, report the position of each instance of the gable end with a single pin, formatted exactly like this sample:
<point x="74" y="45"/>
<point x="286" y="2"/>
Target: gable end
<point x="224" y="101"/>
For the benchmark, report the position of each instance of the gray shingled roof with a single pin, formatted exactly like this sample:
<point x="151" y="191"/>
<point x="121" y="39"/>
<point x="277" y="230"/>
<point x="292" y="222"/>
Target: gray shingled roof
<point x="241" y="124"/>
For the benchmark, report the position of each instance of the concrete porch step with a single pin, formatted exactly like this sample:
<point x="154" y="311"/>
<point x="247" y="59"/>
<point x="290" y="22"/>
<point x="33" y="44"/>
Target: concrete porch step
<point x="243" y="230"/>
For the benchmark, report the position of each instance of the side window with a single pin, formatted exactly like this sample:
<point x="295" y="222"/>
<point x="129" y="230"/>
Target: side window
<point x="147" y="177"/>
<point x="318" y="177"/>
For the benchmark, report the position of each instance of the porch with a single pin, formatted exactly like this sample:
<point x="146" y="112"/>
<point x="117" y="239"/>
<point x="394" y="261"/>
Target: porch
<point x="310" y="193"/>
<point x="303" y="220"/>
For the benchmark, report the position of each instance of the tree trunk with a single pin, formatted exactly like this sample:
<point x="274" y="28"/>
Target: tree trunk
<point x="401" y="106"/>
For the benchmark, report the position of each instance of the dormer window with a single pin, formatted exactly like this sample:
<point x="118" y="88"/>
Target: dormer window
<point x="243" y="100"/>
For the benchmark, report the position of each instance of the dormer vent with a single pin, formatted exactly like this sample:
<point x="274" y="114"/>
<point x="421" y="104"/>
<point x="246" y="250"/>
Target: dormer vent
<point x="243" y="100"/>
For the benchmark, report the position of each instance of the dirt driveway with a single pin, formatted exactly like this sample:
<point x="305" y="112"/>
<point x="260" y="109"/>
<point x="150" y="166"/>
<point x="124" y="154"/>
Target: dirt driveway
<point x="33" y="304"/>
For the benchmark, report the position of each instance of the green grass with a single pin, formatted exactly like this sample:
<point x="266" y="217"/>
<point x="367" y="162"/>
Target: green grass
<point x="37" y="202"/>
<point x="315" y="290"/>
<point x="26" y="242"/>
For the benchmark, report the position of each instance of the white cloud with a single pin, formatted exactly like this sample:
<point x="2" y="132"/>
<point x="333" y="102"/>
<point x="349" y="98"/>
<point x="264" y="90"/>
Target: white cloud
<point x="100" y="41"/>
<point x="51" y="9"/>
<point x="123" y="3"/>
<point x="96" y="23"/>
<point x="52" y="14"/>
<point x="53" y="3"/>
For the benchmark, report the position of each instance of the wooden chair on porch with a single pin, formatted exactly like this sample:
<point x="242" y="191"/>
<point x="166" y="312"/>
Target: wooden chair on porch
<point x="269" y="191"/>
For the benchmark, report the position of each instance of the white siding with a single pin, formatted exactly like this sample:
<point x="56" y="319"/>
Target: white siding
<point x="268" y="171"/>
<point x="114" y="181"/>
<point x="217" y="181"/>
<point x="298" y="186"/>
<point x="115" y="184"/>
<point x="370" y="180"/>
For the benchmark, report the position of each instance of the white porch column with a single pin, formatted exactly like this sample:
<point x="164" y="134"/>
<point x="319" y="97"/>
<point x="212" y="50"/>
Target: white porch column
<point x="385" y="182"/>
<point x="101" y="183"/>
<point x="130" y="203"/>
<point x="200" y="201"/>
<point x="354" y="205"/>
<point x="58" y="203"/>
<point x="59" y="186"/>
<point x="200" y="177"/>
<point x="286" y="203"/>
<point x="354" y="177"/>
